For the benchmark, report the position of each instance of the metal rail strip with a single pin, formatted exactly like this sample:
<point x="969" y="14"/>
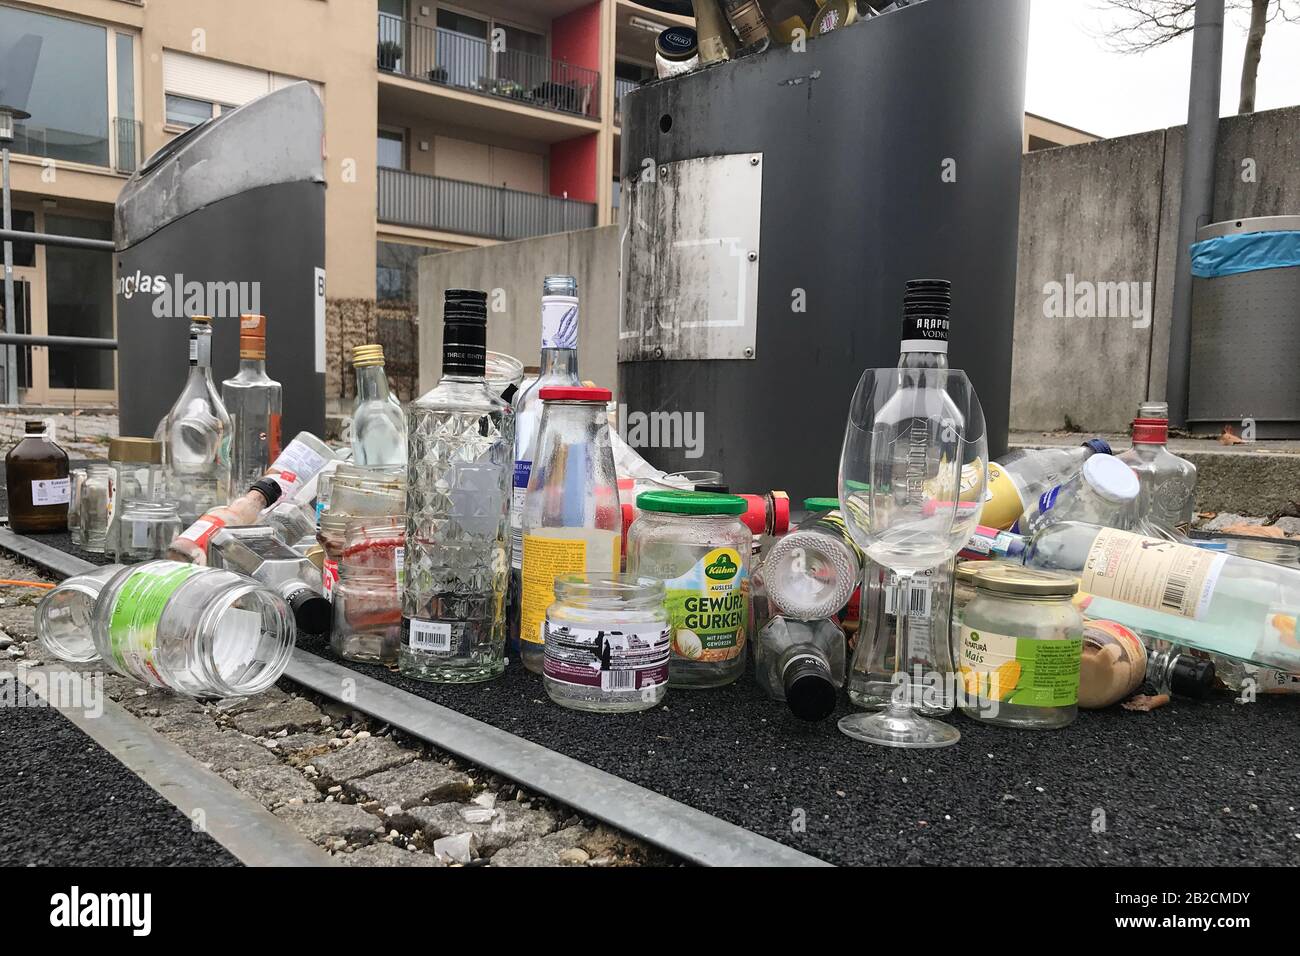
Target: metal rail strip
<point x="253" y="835"/>
<point x="672" y="826"/>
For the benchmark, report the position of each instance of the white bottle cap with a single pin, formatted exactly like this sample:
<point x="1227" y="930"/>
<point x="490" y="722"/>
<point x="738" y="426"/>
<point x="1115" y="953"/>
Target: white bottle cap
<point x="1111" y="478"/>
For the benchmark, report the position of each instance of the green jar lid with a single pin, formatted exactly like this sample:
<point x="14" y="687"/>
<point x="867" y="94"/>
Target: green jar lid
<point x="691" y="503"/>
<point x="821" y="504"/>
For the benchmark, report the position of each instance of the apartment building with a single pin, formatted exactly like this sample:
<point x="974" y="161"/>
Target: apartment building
<point x="447" y="125"/>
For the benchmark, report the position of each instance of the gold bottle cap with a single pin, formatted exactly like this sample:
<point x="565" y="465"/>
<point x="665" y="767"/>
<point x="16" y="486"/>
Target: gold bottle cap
<point x="1014" y="579"/>
<point x="833" y="15"/>
<point x="201" y="319"/>
<point x="366" y="355"/>
<point x="252" y="336"/>
<point x="143" y="451"/>
<point x="966" y="570"/>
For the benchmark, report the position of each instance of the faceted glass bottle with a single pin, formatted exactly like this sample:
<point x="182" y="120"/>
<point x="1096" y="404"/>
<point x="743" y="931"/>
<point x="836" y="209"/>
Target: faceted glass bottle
<point x="1168" y="483"/>
<point x="255" y="402"/>
<point x="460" y="439"/>
<point x="36" y="475"/>
<point x="196" y="433"/>
<point x="378" y="425"/>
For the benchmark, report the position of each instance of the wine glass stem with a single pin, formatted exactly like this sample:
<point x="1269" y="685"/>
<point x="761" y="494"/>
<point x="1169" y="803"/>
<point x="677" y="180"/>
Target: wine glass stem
<point x="900" y="699"/>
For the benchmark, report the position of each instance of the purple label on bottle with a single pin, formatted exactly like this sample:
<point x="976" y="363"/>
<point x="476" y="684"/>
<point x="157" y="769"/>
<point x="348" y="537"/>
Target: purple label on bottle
<point x="523" y="469"/>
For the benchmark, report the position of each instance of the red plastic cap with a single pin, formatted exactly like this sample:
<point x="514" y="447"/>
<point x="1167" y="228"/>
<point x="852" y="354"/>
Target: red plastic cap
<point x="1150" y="431"/>
<point x="780" y="512"/>
<point x="755" y="516"/>
<point x="574" y="393"/>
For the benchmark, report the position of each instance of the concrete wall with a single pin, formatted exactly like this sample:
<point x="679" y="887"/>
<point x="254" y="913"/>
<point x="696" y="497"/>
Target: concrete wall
<point x="511" y="273"/>
<point x="1108" y="212"/>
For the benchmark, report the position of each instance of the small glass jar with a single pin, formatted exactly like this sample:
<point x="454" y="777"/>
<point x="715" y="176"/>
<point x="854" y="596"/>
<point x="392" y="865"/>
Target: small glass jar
<point x="136" y="472"/>
<point x="606" y="643"/>
<point x="697" y="545"/>
<point x="93" y="510"/>
<point x="144" y="529"/>
<point x="1021" y="646"/>
<point x="367" y="598"/>
<point x="65" y="614"/>
<point x="963" y="591"/>
<point x="332" y="536"/>
<point x="77" y="479"/>
<point x="367" y="491"/>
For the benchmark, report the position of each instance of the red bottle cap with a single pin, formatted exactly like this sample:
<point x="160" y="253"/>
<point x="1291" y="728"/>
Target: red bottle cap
<point x="1150" y="431"/>
<point x="780" y="512"/>
<point x="574" y="393"/>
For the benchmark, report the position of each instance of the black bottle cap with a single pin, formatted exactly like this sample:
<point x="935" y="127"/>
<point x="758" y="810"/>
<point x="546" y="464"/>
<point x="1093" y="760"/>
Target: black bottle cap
<point x="269" y="488"/>
<point x="809" y="691"/>
<point x="311" y="612"/>
<point x="927" y="304"/>
<point x="34" y="428"/>
<point x="464" y="332"/>
<point x="714" y="489"/>
<point x="1192" y="676"/>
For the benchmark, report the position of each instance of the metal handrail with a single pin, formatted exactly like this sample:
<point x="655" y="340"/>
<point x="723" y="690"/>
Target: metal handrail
<point x="46" y="239"/>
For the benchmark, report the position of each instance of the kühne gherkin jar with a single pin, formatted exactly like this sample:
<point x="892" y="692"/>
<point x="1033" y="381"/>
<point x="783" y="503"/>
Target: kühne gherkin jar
<point x="1021" y="647"/>
<point x="697" y="545"/>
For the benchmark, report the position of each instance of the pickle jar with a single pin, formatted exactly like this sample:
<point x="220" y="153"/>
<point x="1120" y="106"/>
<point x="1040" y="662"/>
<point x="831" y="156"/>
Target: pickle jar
<point x="697" y="545"/>
<point x="1021" y="646"/>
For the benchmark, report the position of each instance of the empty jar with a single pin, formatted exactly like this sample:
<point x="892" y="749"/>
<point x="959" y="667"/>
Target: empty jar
<point x="77" y="477"/>
<point x="136" y="472"/>
<point x="142" y="530"/>
<point x="64" y="615"/>
<point x="367" y="599"/>
<point x="94" y="506"/>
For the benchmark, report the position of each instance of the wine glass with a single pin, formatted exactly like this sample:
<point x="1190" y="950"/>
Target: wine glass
<point x="912" y="482"/>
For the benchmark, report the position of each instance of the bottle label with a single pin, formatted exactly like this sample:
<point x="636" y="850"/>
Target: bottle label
<point x="1047" y="499"/>
<point x="137" y="609"/>
<point x="194" y="350"/>
<point x="1003" y="505"/>
<point x="434" y="636"/>
<point x="610" y="660"/>
<point x="1024" y="671"/>
<point x="399" y="565"/>
<point x="295" y="466"/>
<point x="51" y="491"/>
<point x="709" y="607"/>
<point x="1152" y="573"/>
<point x="329" y="577"/>
<point x="543" y="559"/>
<point x="559" y="322"/>
<point x="519" y="494"/>
<point x="201" y="531"/>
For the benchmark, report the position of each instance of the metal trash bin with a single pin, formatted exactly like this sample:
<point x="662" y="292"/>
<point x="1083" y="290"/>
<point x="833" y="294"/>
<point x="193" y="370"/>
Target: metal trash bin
<point x="1246" y="327"/>
<point x="228" y="217"/>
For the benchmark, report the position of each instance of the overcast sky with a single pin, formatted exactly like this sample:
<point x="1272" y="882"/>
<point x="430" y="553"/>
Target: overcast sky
<point x="1074" y="79"/>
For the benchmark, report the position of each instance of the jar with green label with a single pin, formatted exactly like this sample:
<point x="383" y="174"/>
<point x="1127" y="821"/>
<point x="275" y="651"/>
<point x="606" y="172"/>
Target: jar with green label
<point x="1021" y="645"/>
<point x="697" y="545"/>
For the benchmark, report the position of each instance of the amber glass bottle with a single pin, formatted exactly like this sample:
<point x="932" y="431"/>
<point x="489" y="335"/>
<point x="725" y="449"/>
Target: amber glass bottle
<point x="36" y="476"/>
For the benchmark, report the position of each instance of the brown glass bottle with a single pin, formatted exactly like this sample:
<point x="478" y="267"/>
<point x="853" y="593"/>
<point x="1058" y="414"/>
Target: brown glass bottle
<point x="36" y="477"/>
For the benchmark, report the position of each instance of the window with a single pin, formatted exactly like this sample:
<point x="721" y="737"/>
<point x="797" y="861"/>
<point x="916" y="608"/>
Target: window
<point x="184" y="111"/>
<point x="65" y="62"/>
<point x="79" y="301"/>
<point x="392" y="149"/>
<point x="126" y="130"/>
<point x="522" y="60"/>
<point x="24" y="252"/>
<point x="462" y="50"/>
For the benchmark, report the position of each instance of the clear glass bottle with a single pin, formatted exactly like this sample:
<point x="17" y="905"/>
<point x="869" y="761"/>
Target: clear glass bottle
<point x="801" y="663"/>
<point x="196" y="433"/>
<point x="137" y="475"/>
<point x="37" y="481"/>
<point x="460" y="439"/>
<point x="192" y="544"/>
<point x="94" y="507"/>
<point x="559" y="368"/>
<point x="1116" y="663"/>
<point x="572" y="520"/>
<point x="1021" y="644"/>
<point x="813" y="571"/>
<point x="255" y="404"/>
<point x="1104" y="492"/>
<point x="606" y="643"/>
<point x="1024" y="474"/>
<point x="378" y="424"/>
<point x="367" y="596"/>
<point x="256" y="552"/>
<point x="1168" y="497"/>
<point x="76" y="478"/>
<point x="697" y="545"/>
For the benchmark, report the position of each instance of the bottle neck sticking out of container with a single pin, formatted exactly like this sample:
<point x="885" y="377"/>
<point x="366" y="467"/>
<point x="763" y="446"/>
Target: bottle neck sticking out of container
<point x="927" y="304"/>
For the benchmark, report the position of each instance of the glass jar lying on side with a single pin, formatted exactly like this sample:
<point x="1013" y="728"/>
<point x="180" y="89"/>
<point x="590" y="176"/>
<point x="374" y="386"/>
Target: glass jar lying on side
<point x="606" y="643"/>
<point x="367" y="595"/>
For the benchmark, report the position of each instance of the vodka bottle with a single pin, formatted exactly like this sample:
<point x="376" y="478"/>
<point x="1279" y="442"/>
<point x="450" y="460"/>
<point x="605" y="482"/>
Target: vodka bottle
<point x="1025" y="474"/>
<point x="196" y="433"/>
<point x="1168" y="482"/>
<point x="559" y="368"/>
<point x="460" y="439"/>
<point x="192" y="543"/>
<point x="378" y="425"/>
<point x="254" y="402"/>
<point x="1208" y="600"/>
<point x="1104" y="492"/>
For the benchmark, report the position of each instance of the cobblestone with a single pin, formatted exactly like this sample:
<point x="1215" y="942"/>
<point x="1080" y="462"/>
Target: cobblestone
<point x="561" y="848"/>
<point x="495" y="829"/>
<point x="223" y="749"/>
<point x="293" y="715"/>
<point x="360" y="758"/>
<point x="418" y="782"/>
<point x="273" y="785"/>
<point x="327" y="823"/>
<point x="385" y="854"/>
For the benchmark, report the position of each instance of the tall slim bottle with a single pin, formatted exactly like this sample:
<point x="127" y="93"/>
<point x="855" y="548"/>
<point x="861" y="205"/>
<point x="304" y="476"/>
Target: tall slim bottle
<point x="559" y="368"/>
<point x="196" y="433"/>
<point x="378" y="424"/>
<point x="255" y="402"/>
<point x="460" y="437"/>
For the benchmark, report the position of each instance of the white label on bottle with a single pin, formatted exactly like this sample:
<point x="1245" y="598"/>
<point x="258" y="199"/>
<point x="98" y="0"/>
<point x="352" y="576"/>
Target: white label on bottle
<point x="559" y="322"/>
<point x="201" y="530"/>
<point x="918" y="602"/>
<point x="329" y="577"/>
<point x="430" y="636"/>
<point x="139" y="534"/>
<point x="51" y="491"/>
<point x="399" y="565"/>
<point x="194" y="349"/>
<point x="1152" y="573"/>
<point x="296" y="466"/>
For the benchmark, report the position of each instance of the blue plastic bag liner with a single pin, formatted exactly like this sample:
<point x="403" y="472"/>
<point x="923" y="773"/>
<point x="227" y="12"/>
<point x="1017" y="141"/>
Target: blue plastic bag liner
<point x="1244" y="252"/>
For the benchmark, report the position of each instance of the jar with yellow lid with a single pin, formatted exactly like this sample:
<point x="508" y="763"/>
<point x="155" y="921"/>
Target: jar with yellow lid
<point x="1021" y="645"/>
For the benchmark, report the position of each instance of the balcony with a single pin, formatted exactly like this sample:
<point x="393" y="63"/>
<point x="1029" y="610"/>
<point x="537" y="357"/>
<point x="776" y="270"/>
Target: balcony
<point x="119" y="151"/>
<point x="621" y="86"/>
<point x="491" y="212"/>
<point x="450" y="59"/>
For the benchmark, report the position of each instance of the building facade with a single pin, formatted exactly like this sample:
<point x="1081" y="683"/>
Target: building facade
<point x="447" y="125"/>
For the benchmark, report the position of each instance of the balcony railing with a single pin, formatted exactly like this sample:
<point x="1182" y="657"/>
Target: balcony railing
<point x="449" y="205"/>
<point x="448" y="58"/>
<point x="621" y="86"/>
<point x="120" y="150"/>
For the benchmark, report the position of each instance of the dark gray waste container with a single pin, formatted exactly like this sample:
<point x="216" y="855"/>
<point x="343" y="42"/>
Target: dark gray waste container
<point x="1246" y="327"/>
<point x="230" y="216"/>
<point x="890" y="150"/>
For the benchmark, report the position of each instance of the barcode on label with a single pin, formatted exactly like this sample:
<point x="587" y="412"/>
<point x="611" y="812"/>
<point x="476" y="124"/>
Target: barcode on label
<point x="1175" y="591"/>
<point x="618" y="680"/>
<point x="918" y="599"/>
<point x="430" y="636"/>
